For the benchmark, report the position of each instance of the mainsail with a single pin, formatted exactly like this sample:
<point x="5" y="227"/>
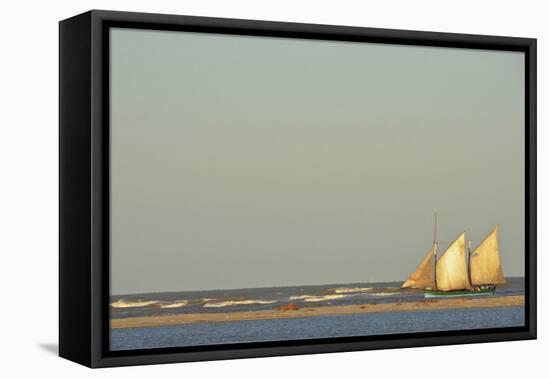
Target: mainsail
<point x="423" y="276"/>
<point x="451" y="268"/>
<point x="485" y="268"/>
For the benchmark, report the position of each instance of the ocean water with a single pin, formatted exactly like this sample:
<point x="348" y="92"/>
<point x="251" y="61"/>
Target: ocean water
<point x="185" y="302"/>
<point x="223" y="301"/>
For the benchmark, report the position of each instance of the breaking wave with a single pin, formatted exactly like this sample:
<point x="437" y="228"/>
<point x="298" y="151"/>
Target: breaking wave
<point x="236" y="303"/>
<point x="383" y="294"/>
<point x="317" y="298"/>
<point x="129" y="304"/>
<point x="342" y="290"/>
<point x="176" y="304"/>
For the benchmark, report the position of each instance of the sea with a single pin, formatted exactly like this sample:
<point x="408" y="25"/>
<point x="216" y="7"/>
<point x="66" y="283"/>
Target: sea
<point x="327" y="326"/>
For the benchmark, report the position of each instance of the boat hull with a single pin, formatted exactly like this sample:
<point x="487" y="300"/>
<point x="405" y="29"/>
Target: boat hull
<point x="459" y="293"/>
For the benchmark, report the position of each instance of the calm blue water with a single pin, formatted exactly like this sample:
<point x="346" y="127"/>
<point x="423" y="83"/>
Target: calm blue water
<point x="316" y="327"/>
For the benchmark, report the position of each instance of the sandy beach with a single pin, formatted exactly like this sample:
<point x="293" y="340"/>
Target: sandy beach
<point x="432" y="304"/>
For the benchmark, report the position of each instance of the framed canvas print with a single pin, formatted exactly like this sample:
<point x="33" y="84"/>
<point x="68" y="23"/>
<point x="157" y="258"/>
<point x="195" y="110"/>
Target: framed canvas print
<point x="234" y="188"/>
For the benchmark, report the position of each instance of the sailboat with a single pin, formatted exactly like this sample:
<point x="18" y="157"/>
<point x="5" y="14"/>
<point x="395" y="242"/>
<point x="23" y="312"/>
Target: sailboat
<point x="457" y="273"/>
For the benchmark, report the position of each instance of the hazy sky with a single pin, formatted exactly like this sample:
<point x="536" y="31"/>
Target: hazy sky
<point x="242" y="161"/>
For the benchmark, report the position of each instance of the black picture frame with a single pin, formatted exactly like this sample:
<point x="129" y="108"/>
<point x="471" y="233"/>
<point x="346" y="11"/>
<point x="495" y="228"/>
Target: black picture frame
<point x="84" y="179"/>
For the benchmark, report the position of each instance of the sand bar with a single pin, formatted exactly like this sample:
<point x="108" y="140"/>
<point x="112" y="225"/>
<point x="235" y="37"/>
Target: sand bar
<point x="430" y="304"/>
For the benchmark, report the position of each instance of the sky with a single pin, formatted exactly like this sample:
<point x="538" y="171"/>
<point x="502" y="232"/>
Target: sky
<point x="240" y="161"/>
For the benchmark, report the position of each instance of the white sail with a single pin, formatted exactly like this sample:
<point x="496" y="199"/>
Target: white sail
<point x="485" y="268"/>
<point x="423" y="276"/>
<point x="451" y="267"/>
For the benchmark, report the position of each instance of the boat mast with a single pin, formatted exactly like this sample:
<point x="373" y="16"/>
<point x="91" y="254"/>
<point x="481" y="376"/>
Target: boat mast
<point x="435" y="248"/>
<point x="469" y="260"/>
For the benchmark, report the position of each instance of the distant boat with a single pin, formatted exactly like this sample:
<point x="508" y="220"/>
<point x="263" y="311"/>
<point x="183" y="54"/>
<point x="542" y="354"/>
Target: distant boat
<point x="457" y="273"/>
